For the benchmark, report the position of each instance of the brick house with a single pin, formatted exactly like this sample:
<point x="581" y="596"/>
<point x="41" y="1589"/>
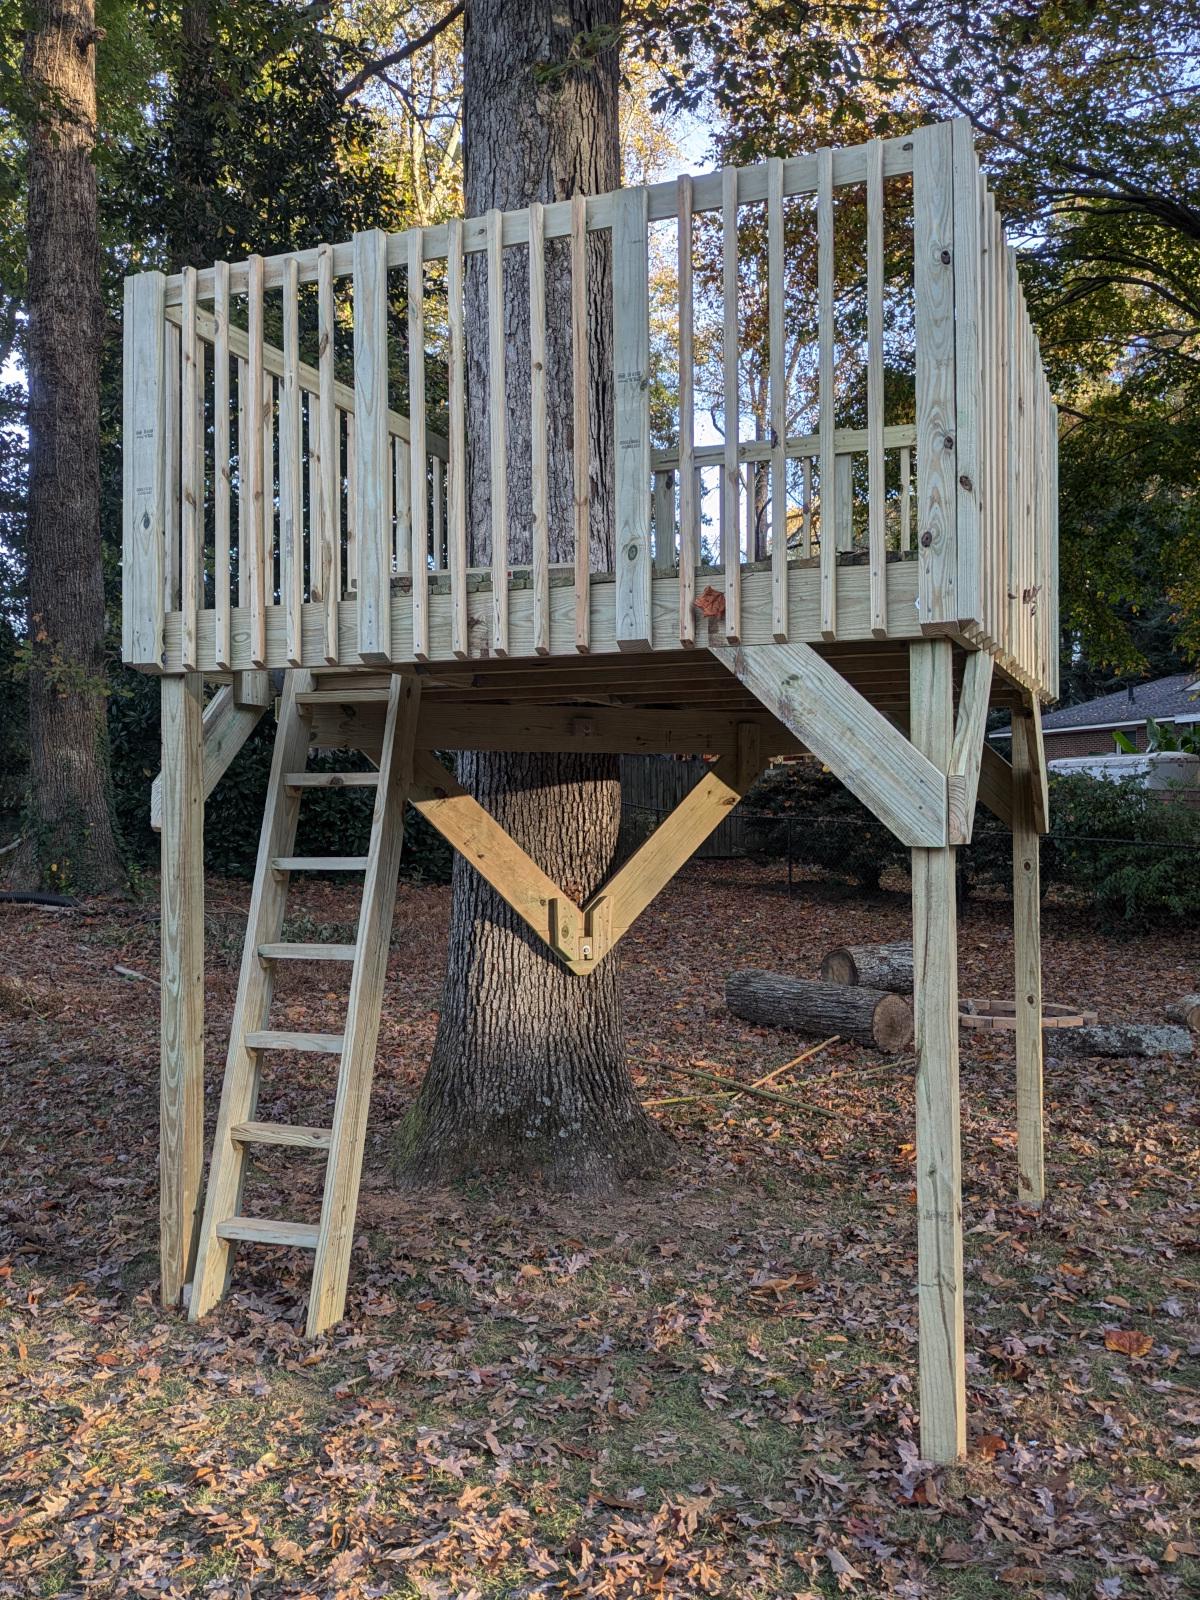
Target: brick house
<point x="1087" y="729"/>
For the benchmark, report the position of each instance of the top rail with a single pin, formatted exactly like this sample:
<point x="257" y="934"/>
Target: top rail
<point x="857" y="443"/>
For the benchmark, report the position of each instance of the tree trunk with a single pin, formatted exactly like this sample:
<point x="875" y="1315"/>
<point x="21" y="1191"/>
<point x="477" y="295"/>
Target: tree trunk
<point x="70" y="838"/>
<point x="192" y="228"/>
<point x="528" y="1069"/>
<point x="876" y="966"/>
<point x="816" y="1010"/>
<point x="1121" y="1039"/>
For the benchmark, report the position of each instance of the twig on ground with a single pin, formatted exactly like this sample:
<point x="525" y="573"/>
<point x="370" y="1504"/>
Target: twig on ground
<point x="140" y="977"/>
<point x="795" y="1061"/>
<point x="732" y="1085"/>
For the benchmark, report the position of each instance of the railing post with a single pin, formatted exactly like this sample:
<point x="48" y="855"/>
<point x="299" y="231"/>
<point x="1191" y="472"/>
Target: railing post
<point x="371" y="446"/>
<point x="145" y="462"/>
<point x="631" y="371"/>
<point x="968" y="372"/>
<point x="937" y="469"/>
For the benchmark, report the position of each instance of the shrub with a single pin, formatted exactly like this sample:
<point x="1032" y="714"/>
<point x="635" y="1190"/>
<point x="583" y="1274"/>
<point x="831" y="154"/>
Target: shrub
<point x="820" y="824"/>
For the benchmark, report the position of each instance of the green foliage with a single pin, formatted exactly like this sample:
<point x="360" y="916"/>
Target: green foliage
<point x="819" y="824"/>
<point x="332" y="822"/>
<point x="1132" y="855"/>
<point x="1161" y="736"/>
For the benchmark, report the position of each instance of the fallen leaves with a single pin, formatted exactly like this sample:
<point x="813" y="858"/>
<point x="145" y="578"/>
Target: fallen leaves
<point x="1128" y="1341"/>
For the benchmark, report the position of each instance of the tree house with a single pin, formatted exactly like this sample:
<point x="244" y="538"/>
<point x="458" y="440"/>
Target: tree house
<point x="858" y="559"/>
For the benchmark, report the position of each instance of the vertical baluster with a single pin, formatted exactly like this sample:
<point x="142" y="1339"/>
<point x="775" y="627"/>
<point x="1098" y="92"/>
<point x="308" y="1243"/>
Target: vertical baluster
<point x="371" y="446"/>
<point x="731" y="476"/>
<point x="905" y="497"/>
<point x="539" y="475"/>
<point x="631" y="365"/>
<point x="580" y="424"/>
<point x="828" y="468"/>
<point x="498" y="432"/>
<point x="806" y="475"/>
<point x="351" y="506"/>
<point x="243" y="434"/>
<point x="291" y="502"/>
<point x="402" y="500"/>
<point x="437" y="509"/>
<point x="843" y="482"/>
<point x="664" y="521"/>
<point x="876" y="503"/>
<point x="456" y="510"/>
<point x="964" y="603"/>
<point x="172" y="382"/>
<point x="689" y="500"/>
<point x="251" y="535"/>
<point x="269" y="503"/>
<point x="778" y="402"/>
<point x="328" y="501"/>
<point x="416" y="425"/>
<point x="192" y="534"/>
<point x="222" y="642"/>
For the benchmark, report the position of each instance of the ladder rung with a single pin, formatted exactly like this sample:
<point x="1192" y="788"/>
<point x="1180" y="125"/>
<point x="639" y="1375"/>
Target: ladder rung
<point x="319" y="863"/>
<point x="306" y="952"/>
<point x="285" y="1133"/>
<point x="326" y="1044"/>
<point x="332" y="780"/>
<point x="269" y="1230"/>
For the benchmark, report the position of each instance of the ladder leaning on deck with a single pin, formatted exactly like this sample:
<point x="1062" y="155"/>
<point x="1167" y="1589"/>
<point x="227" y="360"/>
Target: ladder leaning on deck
<point x="251" y="1037"/>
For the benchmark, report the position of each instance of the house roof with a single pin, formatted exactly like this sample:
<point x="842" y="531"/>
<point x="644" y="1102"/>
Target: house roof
<point x="1172" y="699"/>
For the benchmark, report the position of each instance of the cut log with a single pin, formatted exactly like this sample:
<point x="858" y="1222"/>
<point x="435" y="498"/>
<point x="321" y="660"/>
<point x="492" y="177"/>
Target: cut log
<point x="872" y="966"/>
<point x="1123" y="1039"/>
<point x="1185" y="1010"/>
<point x="870" y="1016"/>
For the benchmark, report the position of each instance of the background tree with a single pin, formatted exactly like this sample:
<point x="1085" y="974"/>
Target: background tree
<point x="68" y="832"/>
<point x="528" y="1069"/>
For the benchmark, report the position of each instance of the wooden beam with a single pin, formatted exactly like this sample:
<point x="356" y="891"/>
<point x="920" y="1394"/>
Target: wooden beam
<point x="1027" y="978"/>
<point x="631" y="376"/>
<point x="996" y="785"/>
<point x="145" y="457"/>
<point x="969" y="728"/>
<point x="181" y="1093"/>
<point x="226" y="725"/>
<point x="602" y="730"/>
<point x="891" y="777"/>
<point x="1027" y="726"/>
<point x="498" y="859"/>
<point x="678" y="836"/>
<point x="941" y="1337"/>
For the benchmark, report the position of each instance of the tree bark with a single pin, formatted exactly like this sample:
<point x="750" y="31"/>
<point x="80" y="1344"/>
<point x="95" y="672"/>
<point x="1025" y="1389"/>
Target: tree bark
<point x="1121" y="1039"/>
<point x="816" y="1010"/>
<point x="876" y="966"/>
<point x="528" y="1069"/>
<point x="70" y="837"/>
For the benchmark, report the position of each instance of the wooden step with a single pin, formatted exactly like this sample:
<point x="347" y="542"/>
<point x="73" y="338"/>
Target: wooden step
<point x="269" y="1230"/>
<point x="306" y="952"/>
<point x="325" y="1044"/>
<point x="332" y="780"/>
<point x="319" y="863"/>
<point x="291" y="1134"/>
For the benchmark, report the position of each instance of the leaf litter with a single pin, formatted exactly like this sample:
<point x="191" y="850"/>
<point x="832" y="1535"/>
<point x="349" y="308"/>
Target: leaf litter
<point x="704" y="1386"/>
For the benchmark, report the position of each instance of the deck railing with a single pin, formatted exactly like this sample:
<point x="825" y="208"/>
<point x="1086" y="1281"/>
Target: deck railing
<point x="828" y="407"/>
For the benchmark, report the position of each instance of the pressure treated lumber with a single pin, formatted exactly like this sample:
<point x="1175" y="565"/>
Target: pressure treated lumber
<point x="874" y="966"/>
<point x="1125" y="1039"/>
<point x="1185" y="1010"/>
<point x="940" y="1316"/>
<point x="181" y="1088"/>
<point x="870" y="1016"/>
<point x="227" y="724"/>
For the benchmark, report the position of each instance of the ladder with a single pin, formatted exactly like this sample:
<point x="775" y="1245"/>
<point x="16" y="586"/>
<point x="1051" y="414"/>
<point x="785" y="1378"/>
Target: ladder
<point x="252" y="1038"/>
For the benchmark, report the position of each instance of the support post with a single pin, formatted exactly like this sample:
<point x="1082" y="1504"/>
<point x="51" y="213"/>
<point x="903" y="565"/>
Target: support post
<point x="1027" y="957"/>
<point x="942" y="1351"/>
<point x="181" y="1103"/>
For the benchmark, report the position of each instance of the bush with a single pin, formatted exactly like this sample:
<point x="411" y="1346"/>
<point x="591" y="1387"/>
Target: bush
<point x="1131" y="854"/>
<point x="820" y="824"/>
<point x="332" y="822"/>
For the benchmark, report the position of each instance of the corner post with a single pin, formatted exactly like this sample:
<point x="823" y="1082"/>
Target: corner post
<point x="631" y="372"/>
<point x="181" y="1102"/>
<point x="1027" y="958"/>
<point x="145" y="453"/>
<point x="942" y="1348"/>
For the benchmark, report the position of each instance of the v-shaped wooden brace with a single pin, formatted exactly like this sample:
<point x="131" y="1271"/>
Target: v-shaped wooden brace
<point x="581" y="936"/>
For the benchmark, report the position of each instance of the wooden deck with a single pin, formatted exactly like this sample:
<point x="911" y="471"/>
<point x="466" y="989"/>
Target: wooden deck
<point x="275" y="489"/>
